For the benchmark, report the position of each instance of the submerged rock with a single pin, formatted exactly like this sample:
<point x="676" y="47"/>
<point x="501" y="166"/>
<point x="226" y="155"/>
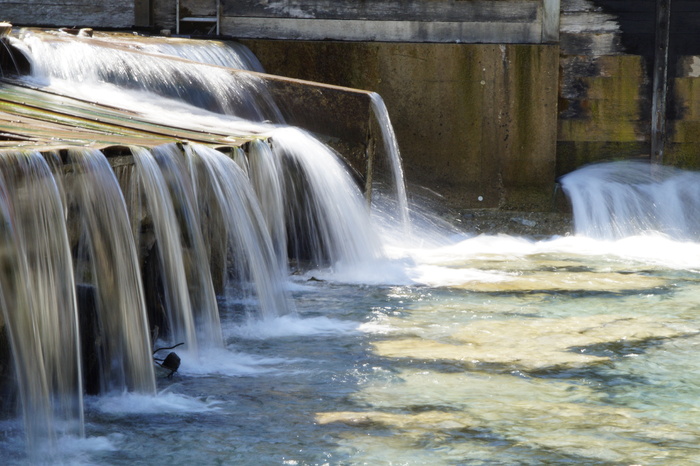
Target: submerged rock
<point x="536" y="344"/>
<point x="553" y="416"/>
<point x="428" y="420"/>
<point x="568" y="281"/>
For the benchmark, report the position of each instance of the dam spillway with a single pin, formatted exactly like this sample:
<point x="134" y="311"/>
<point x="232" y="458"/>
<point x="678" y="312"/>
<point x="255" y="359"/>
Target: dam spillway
<point x="148" y="158"/>
<point x="361" y="342"/>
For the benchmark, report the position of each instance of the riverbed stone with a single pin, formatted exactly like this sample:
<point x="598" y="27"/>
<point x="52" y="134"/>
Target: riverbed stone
<point x="552" y="416"/>
<point x="534" y="345"/>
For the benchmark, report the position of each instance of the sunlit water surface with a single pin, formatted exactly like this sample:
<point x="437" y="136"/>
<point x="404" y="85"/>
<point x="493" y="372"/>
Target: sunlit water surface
<point x="479" y="350"/>
<point x="489" y="350"/>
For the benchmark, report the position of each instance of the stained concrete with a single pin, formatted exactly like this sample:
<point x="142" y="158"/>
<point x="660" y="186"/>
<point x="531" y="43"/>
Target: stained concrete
<point x="475" y="122"/>
<point x="75" y="13"/>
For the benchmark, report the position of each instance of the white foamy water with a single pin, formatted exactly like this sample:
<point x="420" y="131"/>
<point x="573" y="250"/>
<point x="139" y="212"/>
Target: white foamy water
<point x="291" y="326"/>
<point x="165" y="402"/>
<point x="449" y="265"/>
<point x="228" y="362"/>
<point x="620" y="199"/>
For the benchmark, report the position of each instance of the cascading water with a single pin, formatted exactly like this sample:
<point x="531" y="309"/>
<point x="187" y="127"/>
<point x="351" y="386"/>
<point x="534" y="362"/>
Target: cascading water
<point x="38" y="302"/>
<point x="241" y="159"/>
<point x="267" y="178"/>
<point x="226" y="54"/>
<point x="174" y="170"/>
<point x="327" y="219"/>
<point x="61" y="63"/>
<point x="167" y="231"/>
<point x="391" y="147"/>
<point x="107" y="262"/>
<point x="98" y="65"/>
<point x="615" y="200"/>
<point x="247" y="251"/>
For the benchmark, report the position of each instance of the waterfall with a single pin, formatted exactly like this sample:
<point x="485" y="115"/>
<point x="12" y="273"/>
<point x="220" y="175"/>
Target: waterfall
<point x="241" y="159"/>
<point x="62" y="62"/>
<point x="391" y="148"/>
<point x="81" y="264"/>
<point x="167" y="231"/>
<point x="618" y="199"/>
<point x="107" y="261"/>
<point x="327" y="218"/>
<point x="247" y="253"/>
<point x="174" y="170"/>
<point x="267" y="178"/>
<point x="38" y="301"/>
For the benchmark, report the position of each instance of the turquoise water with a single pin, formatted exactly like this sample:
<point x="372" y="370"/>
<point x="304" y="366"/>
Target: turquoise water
<point x="564" y="351"/>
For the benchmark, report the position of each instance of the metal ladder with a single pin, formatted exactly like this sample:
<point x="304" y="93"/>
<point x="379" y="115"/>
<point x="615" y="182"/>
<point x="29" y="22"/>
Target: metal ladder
<point x="216" y="20"/>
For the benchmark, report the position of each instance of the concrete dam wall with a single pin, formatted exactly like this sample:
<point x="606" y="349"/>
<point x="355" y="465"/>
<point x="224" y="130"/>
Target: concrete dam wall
<point x="492" y="100"/>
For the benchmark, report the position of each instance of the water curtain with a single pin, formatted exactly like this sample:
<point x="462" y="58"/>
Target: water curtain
<point x="100" y="260"/>
<point x="627" y="198"/>
<point x="38" y="300"/>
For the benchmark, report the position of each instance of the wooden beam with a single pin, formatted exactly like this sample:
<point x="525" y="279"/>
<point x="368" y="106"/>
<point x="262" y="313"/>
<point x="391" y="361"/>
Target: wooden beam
<point x="494" y="11"/>
<point x="447" y="21"/>
<point x="660" y="83"/>
<point x="382" y="31"/>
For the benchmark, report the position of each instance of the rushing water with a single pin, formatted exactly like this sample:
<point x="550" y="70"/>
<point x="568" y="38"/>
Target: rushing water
<point x="57" y="59"/>
<point x="627" y="198"/>
<point x="383" y="346"/>
<point x="391" y="147"/>
<point x="38" y="302"/>
<point x="488" y="350"/>
<point x="107" y="261"/>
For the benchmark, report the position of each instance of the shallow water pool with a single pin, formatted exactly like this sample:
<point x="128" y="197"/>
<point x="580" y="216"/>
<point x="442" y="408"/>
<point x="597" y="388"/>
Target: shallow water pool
<point x="564" y="351"/>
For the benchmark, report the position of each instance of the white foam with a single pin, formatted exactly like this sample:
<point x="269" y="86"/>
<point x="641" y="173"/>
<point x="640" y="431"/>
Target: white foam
<point x="292" y="326"/>
<point x="162" y="403"/>
<point x="379" y="325"/>
<point x="73" y="450"/>
<point x="226" y="362"/>
<point x="75" y="446"/>
<point x="372" y="272"/>
<point x="656" y="249"/>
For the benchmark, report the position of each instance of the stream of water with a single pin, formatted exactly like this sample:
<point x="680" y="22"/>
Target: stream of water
<point x="487" y="350"/>
<point x="421" y="345"/>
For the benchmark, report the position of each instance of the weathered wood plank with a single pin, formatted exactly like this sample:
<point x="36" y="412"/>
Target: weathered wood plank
<point x="660" y="80"/>
<point x="388" y="31"/>
<point x="395" y="10"/>
<point x="81" y="13"/>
